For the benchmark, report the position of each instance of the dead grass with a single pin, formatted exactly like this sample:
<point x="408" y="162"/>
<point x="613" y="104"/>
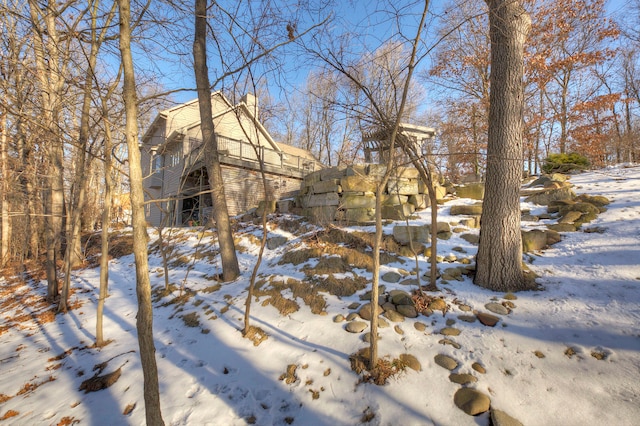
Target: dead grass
<point x="303" y="290"/>
<point x="340" y="287"/>
<point x="256" y="335"/>
<point x="9" y="414"/>
<point x="191" y="319"/>
<point x="380" y="374"/>
<point x="33" y="385"/>
<point x="66" y="421"/>
<point x="120" y="244"/>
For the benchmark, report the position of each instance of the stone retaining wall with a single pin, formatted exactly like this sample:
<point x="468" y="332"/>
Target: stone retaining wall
<point x="347" y="194"/>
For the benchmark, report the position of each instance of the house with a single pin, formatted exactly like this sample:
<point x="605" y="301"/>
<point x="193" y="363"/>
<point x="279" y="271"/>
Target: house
<point x="176" y="182"/>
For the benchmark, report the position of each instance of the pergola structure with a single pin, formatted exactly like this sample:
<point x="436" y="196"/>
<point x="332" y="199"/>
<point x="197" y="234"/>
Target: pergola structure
<point x="377" y="143"/>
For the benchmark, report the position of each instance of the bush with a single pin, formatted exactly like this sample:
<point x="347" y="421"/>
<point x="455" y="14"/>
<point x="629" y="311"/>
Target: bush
<point x="563" y="163"/>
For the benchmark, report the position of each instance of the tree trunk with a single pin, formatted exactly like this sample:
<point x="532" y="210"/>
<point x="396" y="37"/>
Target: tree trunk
<point x="106" y="222"/>
<point x="499" y="259"/>
<point x="144" y="322"/>
<point x="6" y="221"/>
<point x="229" y="260"/>
<point x="47" y="60"/>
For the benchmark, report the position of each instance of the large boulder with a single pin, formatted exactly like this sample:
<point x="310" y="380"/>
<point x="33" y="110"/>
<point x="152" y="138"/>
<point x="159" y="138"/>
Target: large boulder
<point x="471" y="210"/>
<point x="475" y="191"/>
<point x="418" y="234"/>
<point x="538" y="239"/>
<point x="546" y="196"/>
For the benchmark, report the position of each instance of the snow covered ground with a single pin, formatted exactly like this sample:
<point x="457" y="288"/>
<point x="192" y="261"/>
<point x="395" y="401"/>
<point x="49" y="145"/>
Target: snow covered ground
<point x="568" y="354"/>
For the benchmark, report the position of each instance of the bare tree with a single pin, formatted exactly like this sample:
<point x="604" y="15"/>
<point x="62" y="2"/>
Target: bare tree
<point x="229" y="260"/>
<point x="144" y="321"/>
<point x="499" y="259"/>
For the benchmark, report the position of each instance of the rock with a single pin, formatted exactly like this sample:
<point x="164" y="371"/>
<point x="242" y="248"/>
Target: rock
<point x="437" y="305"/>
<point x="487" y="319"/>
<point x="365" y="311"/>
<point x="400" y="297"/>
<point x="409" y="281"/>
<point x="411" y="362"/>
<point x="472" y="222"/>
<point x="275" y="242"/>
<point x="464" y="308"/>
<point x="510" y="296"/>
<point x="467" y="318"/>
<point x="450" y="322"/>
<point x="479" y="368"/>
<point x="469" y="210"/>
<point x="450" y="343"/>
<point x="394" y="316"/>
<point x="398" y="330"/>
<point x="356" y="326"/>
<point x="537" y="239"/>
<point x="570" y="217"/>
<point x="418" y="234"/>
<point x="450" y="331"/>
<point x="546" y="196"/>
<point x="446" y="361"/>
<point x="471" y="238"/>
<point x="475" y="191"/>
<point x="420" y="326"/>
<point x="353" y="316"/>
<point x="353" y="306"/>
<point x="367" y="337"/>
<point x="400" y="212"/>
<point x="462" y="379"/>
<point x="596" y="200"/>
<point x="562" y="227"/>
<point x="338" y="318"/>
<point x="383" y="323"/>
<point x="500" y="418"/>
<point x="496" y="308"/>
<point x="391" y="277"/>
<point x="471" y="401"/>
<point x="408" y="311"/>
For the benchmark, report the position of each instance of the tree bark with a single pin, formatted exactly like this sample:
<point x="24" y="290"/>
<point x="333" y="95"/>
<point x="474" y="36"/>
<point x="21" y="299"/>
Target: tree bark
<point x="229" y="260"/>
<point x="4" y="189"/>
<point x="499" y="259"/>
<point x="144" y="322"/>
<point x="47" y="60"/>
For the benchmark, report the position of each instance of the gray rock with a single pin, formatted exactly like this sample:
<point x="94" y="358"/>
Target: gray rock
<point x="391" y="277"/>
<point x="338" y="318"/>
<point x="450" y="331"/>
<point x="450" y="343"/>
<point x="500" y="418"/>
<point x="275" y="242"/>
<point x="446" y="361"/>
<point x="471" y="238"/>
<point x="365" y="311"/>
<point x="496" y="308"/>
<point x="487" y="319"/>
<point x="409" y="311"/>
<point x="462" y="379"/>
<point x="400" y="297"/>
<point x="356" y="326"/>
<point x="479" y="368"/>
<point x="471" y="401"/>
<point x="411" y="362"/>
<point x="352" y="316"/>
<point x="467" y="318"/>
<point x="420" y="326"/>
<point x="394" y="316"/>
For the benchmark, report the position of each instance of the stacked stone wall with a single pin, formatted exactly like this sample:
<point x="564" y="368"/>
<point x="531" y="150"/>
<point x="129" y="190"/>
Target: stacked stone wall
<point x="347" y="194"/>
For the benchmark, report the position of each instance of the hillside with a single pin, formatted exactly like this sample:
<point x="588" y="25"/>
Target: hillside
<point x="568" y="353"/>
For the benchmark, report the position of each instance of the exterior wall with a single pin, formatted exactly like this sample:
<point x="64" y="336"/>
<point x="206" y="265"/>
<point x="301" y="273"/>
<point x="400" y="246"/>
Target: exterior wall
<point x="244" y="189"/>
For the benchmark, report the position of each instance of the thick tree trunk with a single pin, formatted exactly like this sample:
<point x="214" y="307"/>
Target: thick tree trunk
<point x="144" y="322"/>
<point x="499" y="259"/>
<point x="229" y="260"/>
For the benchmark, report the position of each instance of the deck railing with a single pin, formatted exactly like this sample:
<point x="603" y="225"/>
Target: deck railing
<point x="245" y="151"/>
